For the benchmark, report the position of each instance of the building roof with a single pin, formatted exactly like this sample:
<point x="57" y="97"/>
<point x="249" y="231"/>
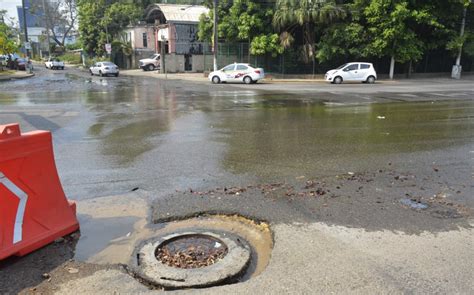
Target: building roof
<point x="180" y="13"/>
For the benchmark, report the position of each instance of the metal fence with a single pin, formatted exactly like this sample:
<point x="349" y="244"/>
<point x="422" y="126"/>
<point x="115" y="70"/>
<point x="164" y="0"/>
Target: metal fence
<point x="291" y="62"/>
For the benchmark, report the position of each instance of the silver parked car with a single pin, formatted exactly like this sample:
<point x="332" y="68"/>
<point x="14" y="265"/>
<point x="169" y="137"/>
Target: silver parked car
<point x="104" y="68"/>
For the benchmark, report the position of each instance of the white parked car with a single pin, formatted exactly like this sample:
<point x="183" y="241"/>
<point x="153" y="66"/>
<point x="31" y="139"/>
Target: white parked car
<point x="54" y="63"/>
<point x="151" y="63"/>
<point x="353" y="71"/>
<point x="237" y="72"/>
<point x="104" y="68"/>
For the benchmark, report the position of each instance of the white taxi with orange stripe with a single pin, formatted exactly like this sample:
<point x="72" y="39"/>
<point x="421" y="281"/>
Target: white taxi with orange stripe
<point x="237" y="73"/>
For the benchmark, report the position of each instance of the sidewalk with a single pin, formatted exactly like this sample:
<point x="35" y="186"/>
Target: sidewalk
<point x="10" y="75"/>
<point x="201" y="77"/>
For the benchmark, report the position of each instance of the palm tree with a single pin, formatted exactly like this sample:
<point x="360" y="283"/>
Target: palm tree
<point x="304" y="14"/>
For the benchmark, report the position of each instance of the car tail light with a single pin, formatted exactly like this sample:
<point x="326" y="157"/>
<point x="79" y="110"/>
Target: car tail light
<point x="258" y="72"/>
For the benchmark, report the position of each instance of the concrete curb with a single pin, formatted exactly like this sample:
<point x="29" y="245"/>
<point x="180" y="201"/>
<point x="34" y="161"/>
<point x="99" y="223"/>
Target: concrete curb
<point x="199" y="78"/>
<point x="230" y="266"/>
<point x="16" y="77"/>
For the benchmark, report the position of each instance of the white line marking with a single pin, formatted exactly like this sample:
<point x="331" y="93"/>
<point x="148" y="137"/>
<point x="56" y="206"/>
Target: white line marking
<point x="20" y="213"/>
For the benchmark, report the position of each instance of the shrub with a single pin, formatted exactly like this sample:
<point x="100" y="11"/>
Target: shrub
<point x="71" y="57"/>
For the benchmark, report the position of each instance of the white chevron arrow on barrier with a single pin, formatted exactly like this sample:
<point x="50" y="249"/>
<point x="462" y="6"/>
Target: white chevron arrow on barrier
<point x="20" y="213"/>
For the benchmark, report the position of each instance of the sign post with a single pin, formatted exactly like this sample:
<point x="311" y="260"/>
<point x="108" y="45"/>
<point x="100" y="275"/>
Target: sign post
<point x="108" y="48"/>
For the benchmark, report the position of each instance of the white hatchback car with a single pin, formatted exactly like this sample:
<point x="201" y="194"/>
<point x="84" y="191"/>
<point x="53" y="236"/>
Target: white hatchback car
<point x="104" y="68"/>
<point x="353" y="71"/>
<point x="237" y="72"/>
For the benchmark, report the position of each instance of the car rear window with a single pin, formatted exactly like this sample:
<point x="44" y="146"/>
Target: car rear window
<point x="364" y="66"/>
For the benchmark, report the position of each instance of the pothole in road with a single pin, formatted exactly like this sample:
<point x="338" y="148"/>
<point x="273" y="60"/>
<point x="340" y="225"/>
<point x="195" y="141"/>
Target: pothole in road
<point x="203" y="251"/>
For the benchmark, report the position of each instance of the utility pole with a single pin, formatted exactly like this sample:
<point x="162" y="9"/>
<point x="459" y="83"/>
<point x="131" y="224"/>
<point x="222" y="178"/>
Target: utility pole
<point x="47" y="28"/>
<point x="24" y="26"/>
<point x="457" y="68"/>
<point x="215" y="35"/>
<point x="162" y="55"/>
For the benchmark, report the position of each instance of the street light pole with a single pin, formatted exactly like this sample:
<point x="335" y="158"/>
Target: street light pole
<point x="47" y="28"/>
<point x="24" y="26"/>
<point x="215" y="35"/>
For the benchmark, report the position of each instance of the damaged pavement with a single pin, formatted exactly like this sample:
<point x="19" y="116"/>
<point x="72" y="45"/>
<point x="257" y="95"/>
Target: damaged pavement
<point x="332" y="195"/>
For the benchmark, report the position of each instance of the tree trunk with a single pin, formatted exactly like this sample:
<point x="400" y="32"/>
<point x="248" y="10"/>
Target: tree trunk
<point x="392" y="67"/>
<point x="65" y="35"/>
<point x="409" y="69"/>
<point x="426" y="62"/>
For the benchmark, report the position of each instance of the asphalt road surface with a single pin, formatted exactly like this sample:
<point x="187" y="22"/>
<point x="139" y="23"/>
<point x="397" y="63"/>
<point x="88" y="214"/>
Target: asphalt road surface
<point x="336" y="170"/>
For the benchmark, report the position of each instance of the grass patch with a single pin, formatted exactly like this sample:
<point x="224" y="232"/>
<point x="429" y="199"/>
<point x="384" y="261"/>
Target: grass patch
<point x="6" y="72"/>
<point x="71" y="58"/>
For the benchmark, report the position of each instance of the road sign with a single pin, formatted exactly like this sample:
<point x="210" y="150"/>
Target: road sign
<point x="28" y="45"/>
<point x="108" y="48"/>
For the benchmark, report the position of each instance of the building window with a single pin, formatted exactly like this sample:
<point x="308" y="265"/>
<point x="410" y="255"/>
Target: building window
<point x="145" y="40"/>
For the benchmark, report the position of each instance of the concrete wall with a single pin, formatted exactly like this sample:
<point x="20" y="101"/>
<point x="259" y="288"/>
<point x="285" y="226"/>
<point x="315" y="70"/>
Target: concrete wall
<point x="174" y="63"/>
<point x="198" y="63"/>
<point x="140" y="54"/>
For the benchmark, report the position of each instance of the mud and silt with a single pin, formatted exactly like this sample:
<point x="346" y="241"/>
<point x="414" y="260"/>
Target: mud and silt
<point x="387" y="198"/>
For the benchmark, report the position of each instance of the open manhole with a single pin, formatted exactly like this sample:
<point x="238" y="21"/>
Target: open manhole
<point x="192" y="259"/>
<point x="191" y="251"/>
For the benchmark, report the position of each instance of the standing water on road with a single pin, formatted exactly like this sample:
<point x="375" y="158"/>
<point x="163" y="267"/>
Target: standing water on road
<point x="115" y="134"/>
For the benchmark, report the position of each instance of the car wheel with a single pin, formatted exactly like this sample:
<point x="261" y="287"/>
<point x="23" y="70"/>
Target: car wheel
<point x="371" y="80"/>
<point x="116" y="75"/>
<point x="62" y="68"/>
<point x="216" y="80"/>
<point x="150" y="67"/>
<point x="338" y="80"/>
<point x="101" y="74"/>
<point x="92" y="74"/>
<point x="247" y="80"/>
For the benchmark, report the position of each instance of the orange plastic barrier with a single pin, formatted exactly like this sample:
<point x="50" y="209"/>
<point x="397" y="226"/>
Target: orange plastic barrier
<point x="33" y="208"/>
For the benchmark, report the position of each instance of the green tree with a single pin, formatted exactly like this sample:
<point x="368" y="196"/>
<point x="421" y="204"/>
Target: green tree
<point x="242" y="21"/>
<point x="263" y="44"/>
<point x="7" y="43"/>
<point x="305" y="15"/>
<point x="90" y="13"/>
<point x="392" y="29"/>
<point x="102" y="20"/>
<point x="118" y="15"/>
<point x="342" y="40"/>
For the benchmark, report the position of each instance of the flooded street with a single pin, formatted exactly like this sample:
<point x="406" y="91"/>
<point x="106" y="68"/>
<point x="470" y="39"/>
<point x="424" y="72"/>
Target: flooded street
<point x="353" y="169"/>
<point x="114" y="135"/>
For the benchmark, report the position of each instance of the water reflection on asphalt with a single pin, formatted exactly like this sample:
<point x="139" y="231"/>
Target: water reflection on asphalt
<point x="163" y="135"/>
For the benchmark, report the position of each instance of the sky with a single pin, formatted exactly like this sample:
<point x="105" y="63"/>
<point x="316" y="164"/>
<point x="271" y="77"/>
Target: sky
<point x="10" y="6"/>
